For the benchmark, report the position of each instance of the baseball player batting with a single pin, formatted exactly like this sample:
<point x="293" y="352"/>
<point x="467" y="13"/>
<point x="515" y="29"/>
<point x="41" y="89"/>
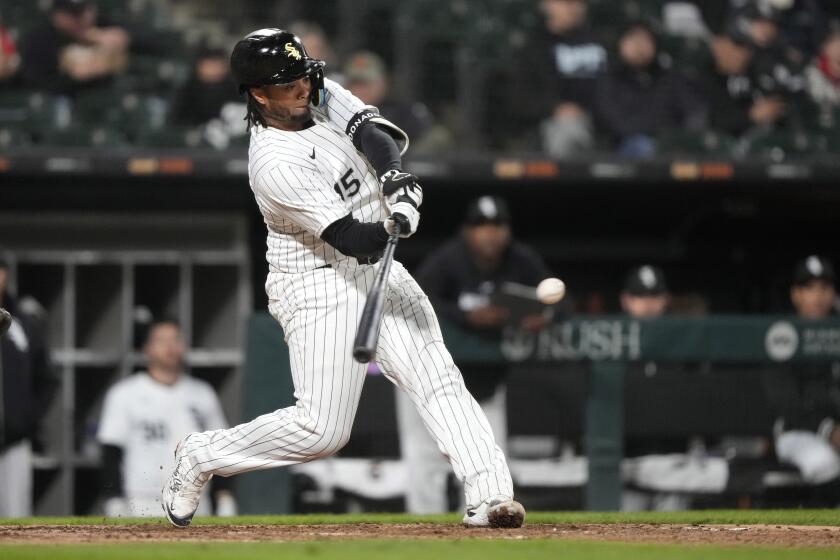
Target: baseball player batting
<point x="326" y="173"/>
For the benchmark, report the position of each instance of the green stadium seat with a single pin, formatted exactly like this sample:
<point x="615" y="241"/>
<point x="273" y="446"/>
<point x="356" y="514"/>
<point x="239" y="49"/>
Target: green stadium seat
<point x="34" y="109"/>
<point x="781" y="144"/>
<point x="170" y="137"/>
<point x="84" y="136"/>
<point x="688" y="143"/>
<point x="99" y="106"/>
<point x="14" y="107"/>
<point x="14" y="138"/>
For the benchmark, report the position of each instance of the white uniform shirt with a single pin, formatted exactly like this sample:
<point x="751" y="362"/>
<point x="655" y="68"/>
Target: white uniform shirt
<point x="303" y="181"/>
<point x="148" y="419"/>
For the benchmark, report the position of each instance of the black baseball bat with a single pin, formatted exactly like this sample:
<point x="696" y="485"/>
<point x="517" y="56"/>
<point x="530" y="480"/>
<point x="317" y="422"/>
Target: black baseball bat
<point x="5" y="321"/>
<point x="364" y="347"/>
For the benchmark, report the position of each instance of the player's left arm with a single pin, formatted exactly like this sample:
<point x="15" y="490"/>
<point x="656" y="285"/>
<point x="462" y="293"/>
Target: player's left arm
<point x="382" y="142"/>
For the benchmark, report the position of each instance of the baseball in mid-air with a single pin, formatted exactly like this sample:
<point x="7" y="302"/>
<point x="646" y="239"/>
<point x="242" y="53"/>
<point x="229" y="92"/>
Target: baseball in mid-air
<point x="551" y="290"/>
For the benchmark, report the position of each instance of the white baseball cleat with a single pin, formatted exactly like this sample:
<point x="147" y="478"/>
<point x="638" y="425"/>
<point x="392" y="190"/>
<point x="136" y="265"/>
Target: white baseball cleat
<point x="183" y="487"/>
<point x="499" y="512"/>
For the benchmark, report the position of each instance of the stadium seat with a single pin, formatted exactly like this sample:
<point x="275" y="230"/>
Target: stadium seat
<point x="685" y="143"/>
<point x="782" y="144"/>
<point x="85" y="136"/>
<point x="14" y="137"/>
<point x="96" y="106"/>
<point x="170" y="137"/>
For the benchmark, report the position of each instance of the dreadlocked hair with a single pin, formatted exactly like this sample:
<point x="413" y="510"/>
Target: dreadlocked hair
<point x="253" y="116"/>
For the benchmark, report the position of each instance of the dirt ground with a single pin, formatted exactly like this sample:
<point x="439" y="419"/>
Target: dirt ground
<point x="768" y="535"/>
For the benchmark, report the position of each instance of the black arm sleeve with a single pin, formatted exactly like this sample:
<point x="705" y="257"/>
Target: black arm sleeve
<point x="356" y="239"/>
<point x="380" y="148"/>
<point x="112" y="484"/>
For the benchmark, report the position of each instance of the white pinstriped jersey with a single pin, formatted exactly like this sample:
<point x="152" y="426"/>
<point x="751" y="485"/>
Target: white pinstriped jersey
<point x="305" y="180"/>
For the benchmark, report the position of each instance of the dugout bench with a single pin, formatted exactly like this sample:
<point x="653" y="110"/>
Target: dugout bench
<point x="617" y="353"/>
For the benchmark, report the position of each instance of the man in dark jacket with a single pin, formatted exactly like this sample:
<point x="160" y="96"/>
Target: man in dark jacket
<point x="564" y="60"/>
<point x="805" y="398"/>
<point x="729" y="87"/>
<point x="638" y="98"/>
<point x="460" y="279"/>
<point x="69" y="52"/>
<point x="27" y="382"/>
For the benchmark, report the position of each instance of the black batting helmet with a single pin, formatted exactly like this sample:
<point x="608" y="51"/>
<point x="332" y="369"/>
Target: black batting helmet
<point x="274" y="56"/>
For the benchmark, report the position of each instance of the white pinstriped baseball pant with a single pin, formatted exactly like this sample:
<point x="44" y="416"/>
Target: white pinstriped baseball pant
<point x="319" y="311"/>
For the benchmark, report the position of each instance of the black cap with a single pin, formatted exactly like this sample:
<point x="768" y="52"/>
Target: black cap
<point x="72" y="6"/>
<point x="646" y="280"/>
<point x="762" y="11"/>
<point x="487" y="210"/>
<point x="737" y="30"/>
<point x="813" y="267"/>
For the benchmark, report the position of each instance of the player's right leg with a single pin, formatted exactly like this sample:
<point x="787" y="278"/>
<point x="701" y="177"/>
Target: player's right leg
<point x="319" y="312"/>
<point x="412" y="354"/>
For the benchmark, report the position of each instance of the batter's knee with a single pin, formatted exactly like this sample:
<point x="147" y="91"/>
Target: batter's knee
<point x="326" y="442"/>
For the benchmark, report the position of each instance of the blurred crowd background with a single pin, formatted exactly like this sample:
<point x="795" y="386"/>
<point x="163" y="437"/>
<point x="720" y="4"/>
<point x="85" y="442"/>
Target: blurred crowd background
<point x="567" y="78"/>
<point x="551" y="137"/>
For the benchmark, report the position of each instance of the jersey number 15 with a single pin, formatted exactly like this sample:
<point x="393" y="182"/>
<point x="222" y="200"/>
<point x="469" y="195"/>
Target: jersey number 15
<point x="350" y="185"/>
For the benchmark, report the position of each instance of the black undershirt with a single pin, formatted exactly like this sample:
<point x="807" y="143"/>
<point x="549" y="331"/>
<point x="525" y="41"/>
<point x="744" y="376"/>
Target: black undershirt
<point x="355" y="238"/>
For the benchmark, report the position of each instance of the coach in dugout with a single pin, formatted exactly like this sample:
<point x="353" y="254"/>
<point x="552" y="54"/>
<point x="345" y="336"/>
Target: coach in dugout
<point x="27" y="384"/>
<point x="143" y="419"/>
<point x="460" y="278"/>
<point x="805" y="398"/>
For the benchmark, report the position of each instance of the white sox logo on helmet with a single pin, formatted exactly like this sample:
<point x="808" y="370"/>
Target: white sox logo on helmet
<point x="292" y="52"/>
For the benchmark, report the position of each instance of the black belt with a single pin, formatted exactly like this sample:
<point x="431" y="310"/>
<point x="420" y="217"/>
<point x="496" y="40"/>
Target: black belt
<point x="366" y="260"/>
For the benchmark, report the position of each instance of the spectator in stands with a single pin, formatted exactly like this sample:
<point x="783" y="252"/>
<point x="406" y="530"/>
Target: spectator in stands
<point x="460" y="278"/>
<point x="143" y="419"/>
<point x="564" y="58"/>
<point x="207" y="91"/>
<point x="803" y="397"/>
<point x="824" y="73"/>
<point x="777" y="66"/>
<point x="69" y="52"/>
<point x="735" y="103"/>
<point x="367" y="78"/>
<point x="639" y="98"/>
<point x="318" y="46"/>
<point x="645" y="294"/>
<point x="27" y="384"/>
<point x="9" y="57"/>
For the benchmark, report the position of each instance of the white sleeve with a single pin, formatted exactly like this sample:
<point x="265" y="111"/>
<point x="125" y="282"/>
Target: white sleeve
<point x="114" y="424"/>
<point x="349" y="112"/>
<point x="301" y="195"/>
<point x="341" y="104"/>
